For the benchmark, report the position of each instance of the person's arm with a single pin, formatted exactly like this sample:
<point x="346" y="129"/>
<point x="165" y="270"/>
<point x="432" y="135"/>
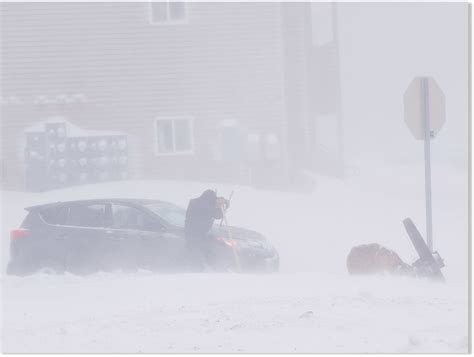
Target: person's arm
<point x="218" y="213"/>
<point x="221" y="205"/>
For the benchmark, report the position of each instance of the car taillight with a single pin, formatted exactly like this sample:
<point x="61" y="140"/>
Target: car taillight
<point x="18" y="233"/>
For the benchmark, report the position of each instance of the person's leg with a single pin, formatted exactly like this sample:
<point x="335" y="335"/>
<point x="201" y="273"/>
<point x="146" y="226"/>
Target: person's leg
<point x="195" y="257"/>
<point x="208" y="254"/>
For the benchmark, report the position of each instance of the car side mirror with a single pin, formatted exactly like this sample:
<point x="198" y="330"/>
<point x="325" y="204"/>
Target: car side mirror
<point x="154" y="226"/>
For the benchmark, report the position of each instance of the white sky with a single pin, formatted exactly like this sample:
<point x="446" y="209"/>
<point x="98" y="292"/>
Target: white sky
<point x="383" y="46"/>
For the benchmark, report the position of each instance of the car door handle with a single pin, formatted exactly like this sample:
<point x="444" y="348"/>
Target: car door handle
<point x="114" y="235"/>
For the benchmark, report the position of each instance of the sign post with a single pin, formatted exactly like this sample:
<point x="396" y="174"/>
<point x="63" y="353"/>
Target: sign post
<point x="425" y="94"/>
<point x="425" y="115"/>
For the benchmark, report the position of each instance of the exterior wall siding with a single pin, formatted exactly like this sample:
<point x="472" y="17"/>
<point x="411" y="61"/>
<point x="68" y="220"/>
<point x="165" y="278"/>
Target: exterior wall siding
<point x="296" y="34"/>
<point x="226" y="62"/>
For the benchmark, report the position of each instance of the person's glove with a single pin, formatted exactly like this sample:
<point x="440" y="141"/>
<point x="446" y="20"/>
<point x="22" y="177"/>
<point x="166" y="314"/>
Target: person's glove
<point x="222" y="203"/>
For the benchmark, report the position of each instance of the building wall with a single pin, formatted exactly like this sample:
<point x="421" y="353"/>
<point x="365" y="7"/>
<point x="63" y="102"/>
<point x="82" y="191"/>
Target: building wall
<point x="226" y="62"/>
<point x="296" y="34"/>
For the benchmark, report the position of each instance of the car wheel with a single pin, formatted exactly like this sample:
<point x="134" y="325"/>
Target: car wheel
<point x="17" y="269"/>
<point x="21" y="269"/>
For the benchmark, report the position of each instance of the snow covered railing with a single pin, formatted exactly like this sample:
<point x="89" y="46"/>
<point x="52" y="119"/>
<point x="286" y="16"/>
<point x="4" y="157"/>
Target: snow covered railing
<point x="60" y="154"/>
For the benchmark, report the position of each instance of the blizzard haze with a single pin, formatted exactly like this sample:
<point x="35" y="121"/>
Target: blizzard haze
<point x="296" y="108"/>
<point x="383" y="46"/>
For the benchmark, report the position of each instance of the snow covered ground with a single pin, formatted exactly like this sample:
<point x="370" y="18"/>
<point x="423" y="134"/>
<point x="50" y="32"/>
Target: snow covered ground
<point x="313" y="305"/>
<point x="298" y="312"/>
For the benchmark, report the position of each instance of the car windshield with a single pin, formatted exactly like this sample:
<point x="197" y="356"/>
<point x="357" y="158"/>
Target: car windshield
<point x="172" y="214"/>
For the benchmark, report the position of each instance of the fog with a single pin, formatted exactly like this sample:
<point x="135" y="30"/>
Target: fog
<point x="382" y="48"/>
<point x="192" y="177"/>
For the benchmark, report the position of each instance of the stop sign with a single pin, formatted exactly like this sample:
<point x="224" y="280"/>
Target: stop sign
<point x="414" y="100"/>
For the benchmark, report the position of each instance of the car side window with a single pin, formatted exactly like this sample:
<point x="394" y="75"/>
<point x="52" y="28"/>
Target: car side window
<point x="127" y="217"/>
<point x="87" y="215"/>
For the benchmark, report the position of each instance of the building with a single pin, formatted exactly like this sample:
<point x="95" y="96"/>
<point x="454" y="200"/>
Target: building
<point x="204" y="91"/>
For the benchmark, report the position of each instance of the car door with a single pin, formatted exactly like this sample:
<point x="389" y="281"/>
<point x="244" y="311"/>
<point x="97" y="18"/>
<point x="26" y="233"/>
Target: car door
<point x="126" y="233"/>
<point x="82" y="235"/>
<point x="172" y="217"/>
<point x="144" y="241"/>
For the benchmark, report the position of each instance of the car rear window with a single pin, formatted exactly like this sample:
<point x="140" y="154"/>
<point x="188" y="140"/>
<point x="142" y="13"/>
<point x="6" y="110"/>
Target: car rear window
<point x="29" y="221"/>
<point x="54" y="215"/>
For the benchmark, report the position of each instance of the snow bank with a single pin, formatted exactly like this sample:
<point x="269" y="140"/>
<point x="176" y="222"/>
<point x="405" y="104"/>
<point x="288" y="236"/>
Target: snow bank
<point x="231" y="313"/>
<point x="312" y="306"/>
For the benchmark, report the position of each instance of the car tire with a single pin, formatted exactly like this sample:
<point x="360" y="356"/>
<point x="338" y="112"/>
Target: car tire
<point x="17" y="269"/>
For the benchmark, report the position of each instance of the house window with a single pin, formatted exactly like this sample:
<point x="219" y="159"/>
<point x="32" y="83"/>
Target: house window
<point x="174" y="136"/>
<point x="166" y="11"/>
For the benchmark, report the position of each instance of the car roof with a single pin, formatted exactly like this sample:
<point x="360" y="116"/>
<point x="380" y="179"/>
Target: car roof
<point x="135" y="201"/>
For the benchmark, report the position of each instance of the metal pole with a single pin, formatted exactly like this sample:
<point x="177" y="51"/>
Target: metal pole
<point x="425" y="96"/>
<point x="340" y="129"/>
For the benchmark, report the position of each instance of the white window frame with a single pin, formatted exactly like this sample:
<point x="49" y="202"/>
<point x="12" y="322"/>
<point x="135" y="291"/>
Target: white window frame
<point x="168" y="21"/>
<point x="173" y="119"/>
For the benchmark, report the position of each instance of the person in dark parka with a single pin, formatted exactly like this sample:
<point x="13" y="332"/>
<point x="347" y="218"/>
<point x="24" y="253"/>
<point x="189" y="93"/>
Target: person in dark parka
<point x="200" y="216"/>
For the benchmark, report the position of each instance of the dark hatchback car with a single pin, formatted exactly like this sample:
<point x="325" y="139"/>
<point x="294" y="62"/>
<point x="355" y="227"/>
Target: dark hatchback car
<point x="109" y="234"/>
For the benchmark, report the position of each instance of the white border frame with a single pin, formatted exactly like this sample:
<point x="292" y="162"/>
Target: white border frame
<point x="174" y="152"/>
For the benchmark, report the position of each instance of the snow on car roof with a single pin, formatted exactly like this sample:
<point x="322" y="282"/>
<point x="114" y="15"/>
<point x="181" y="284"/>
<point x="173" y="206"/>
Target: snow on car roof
<point x="142" y="201"/>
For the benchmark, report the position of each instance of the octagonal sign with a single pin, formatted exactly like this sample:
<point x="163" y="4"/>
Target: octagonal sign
<point x="414" y="100"/>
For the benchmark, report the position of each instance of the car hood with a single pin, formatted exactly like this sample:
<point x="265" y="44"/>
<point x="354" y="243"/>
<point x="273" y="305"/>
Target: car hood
<point x="236" y="233"/>
<point x="242" y="236"/>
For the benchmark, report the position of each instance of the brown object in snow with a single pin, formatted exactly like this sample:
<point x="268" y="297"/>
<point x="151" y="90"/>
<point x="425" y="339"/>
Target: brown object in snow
<point x="374" y="258"/>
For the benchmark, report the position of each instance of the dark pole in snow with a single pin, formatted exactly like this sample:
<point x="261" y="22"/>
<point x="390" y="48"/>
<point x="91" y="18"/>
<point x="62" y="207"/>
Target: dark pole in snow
<point x="425" y="99"/>
<point x="338" y="99"/>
